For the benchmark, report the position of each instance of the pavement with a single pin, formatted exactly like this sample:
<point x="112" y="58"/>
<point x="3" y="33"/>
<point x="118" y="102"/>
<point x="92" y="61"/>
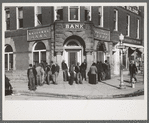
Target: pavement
<point x="107" y="89"/>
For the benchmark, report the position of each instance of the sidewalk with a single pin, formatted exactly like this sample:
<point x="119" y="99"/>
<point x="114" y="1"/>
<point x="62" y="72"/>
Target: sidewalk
<point x="103" y="90"/>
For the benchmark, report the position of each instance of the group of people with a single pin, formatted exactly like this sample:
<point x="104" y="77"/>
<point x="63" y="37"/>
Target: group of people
<point x="98" y="71"/>
<point x="42" y="74"/>
<point x="75" y="73"/>
<point x="45" y="73"/>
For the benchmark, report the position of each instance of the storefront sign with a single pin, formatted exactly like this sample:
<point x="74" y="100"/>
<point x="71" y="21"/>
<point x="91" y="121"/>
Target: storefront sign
<point x="101" y="34"/>
<point x="132" y="41"/>
<point x="74" y="26"/>
<point x="120" y="47"/>
<point x="38" y="34"/>
<point x="133" y="9"/>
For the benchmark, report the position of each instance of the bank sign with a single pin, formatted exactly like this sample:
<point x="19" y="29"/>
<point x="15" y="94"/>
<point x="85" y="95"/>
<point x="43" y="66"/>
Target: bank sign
<point x="38" y="34"/>
<point x="101" y="34"/>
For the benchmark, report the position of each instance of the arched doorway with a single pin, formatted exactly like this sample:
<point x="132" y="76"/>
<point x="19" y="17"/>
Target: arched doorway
<point x="101" y="49"/>
<point x="39" y="53"/>
<point x="8" y="57"/>
<point x="73" y="52"/>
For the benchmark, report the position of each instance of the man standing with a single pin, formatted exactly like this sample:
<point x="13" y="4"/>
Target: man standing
<point x="31" y="74"/>
<point x="133" y="70"/>
<point x="83" y="69"/>
<point x="57" y="68"/>
<point x="78" y="74"/>
<point x="40" y="74"/>
<point x="65" y="70"/>
<point x="48" y="73"/>
<point x="53" y="69"/>
<point x="100" y="70"/>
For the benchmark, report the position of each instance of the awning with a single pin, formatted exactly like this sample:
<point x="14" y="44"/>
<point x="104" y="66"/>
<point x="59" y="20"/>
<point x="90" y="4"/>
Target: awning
<point x="132" y="45"/>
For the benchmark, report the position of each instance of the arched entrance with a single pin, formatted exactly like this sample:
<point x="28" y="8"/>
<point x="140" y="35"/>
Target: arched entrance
<point x="101" y="49"/>
<point x="73" y="51"/>
<point x="39" y="53"/>
<point x="8" y="57"/>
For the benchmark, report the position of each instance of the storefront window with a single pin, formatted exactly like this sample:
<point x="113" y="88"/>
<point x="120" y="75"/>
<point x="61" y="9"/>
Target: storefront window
<point x="8" y="57"/>
<point x="39" y="53"/>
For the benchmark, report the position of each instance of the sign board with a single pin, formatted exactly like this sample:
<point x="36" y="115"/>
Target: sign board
<point x="101" y="34"/>
<point x="38" y="34"/>
<point x="120" y="47"/>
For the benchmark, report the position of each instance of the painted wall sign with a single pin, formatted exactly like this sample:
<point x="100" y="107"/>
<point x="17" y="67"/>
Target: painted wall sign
<point x="38" y="34"/>
<point x="101" y="34"/>
<point x="131" y="41"/>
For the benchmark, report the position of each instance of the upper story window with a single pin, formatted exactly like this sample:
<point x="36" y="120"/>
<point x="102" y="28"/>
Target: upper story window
<point x="19" y="17"/>
<point x="138" y="28"/>
<point x="58" y="13"/>
<point x="38" y="15"/>
<point x="115" y="20"/>
<point x="128" y="25"/>
<point x="100" y="16"/>
<point x="7" y="19"/>
<point x="87" y="13"/>
<point x="74" y="13"/>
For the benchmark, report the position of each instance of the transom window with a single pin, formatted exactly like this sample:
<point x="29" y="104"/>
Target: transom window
<point x="39" y="53"/>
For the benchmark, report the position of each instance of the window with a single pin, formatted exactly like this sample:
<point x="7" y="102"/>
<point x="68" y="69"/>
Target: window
<point x="20" y="17"/>
<point x="58" y="13"/>
<point x="115" y="20"/>
<point x="138" y="26"/>
<point x="38" y="16"/>
<point x="100" y="16"/>
<point x="39" y="53"/>
<point x="7" y="19"/>
<point x="74" y="13"/>
<point x="128" y="25"/>
<point x="87" y="13"/>
<point x="8" y="57"/>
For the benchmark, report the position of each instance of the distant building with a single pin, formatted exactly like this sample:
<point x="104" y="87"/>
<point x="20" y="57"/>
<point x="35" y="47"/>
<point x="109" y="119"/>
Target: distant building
<point x="35" y="34"/>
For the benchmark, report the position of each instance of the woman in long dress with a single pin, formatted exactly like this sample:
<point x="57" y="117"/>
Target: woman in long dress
<point x="92" y="74"/>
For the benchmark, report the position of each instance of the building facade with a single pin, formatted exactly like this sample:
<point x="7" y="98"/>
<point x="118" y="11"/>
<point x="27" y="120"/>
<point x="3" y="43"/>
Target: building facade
<point x="37" y="34"/>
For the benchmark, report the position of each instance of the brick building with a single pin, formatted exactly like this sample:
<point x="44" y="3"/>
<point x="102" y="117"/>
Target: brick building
<point x="35" y="34"/>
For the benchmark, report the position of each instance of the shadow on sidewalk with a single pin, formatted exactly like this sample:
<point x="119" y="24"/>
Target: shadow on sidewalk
<point x="110" y="85"/>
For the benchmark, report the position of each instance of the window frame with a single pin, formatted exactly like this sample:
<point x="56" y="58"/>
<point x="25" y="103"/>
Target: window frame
<point x="17" y="17"/>
<point x="7" y="19"/>
<point x="35" y="16"/>
<point x="138" y="28"/>
<point x="128" y="25"/>
<point x="116" y="21"/>
<point x="101" y="19"/>
<point x="69" y="7"/>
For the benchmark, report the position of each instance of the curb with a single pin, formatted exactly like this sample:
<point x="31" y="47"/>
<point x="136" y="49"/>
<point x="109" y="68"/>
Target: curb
<point x="69" y="96"/>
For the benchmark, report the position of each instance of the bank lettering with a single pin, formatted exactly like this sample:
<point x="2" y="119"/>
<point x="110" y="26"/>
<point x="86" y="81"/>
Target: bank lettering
<point x="74" y="26"/>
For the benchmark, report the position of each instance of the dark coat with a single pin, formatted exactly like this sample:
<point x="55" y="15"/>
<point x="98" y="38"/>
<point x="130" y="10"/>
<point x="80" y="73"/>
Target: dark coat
<point x="77" y="69"/>
<point x="99" y="67"/>
<point x="53" y="68"/>
<point x="83" y="66"/>
<point x="34" y="72"/>
<point x="64" y="66"/>
<point x="132" y="69"/>
<point x="57" y="68"/>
